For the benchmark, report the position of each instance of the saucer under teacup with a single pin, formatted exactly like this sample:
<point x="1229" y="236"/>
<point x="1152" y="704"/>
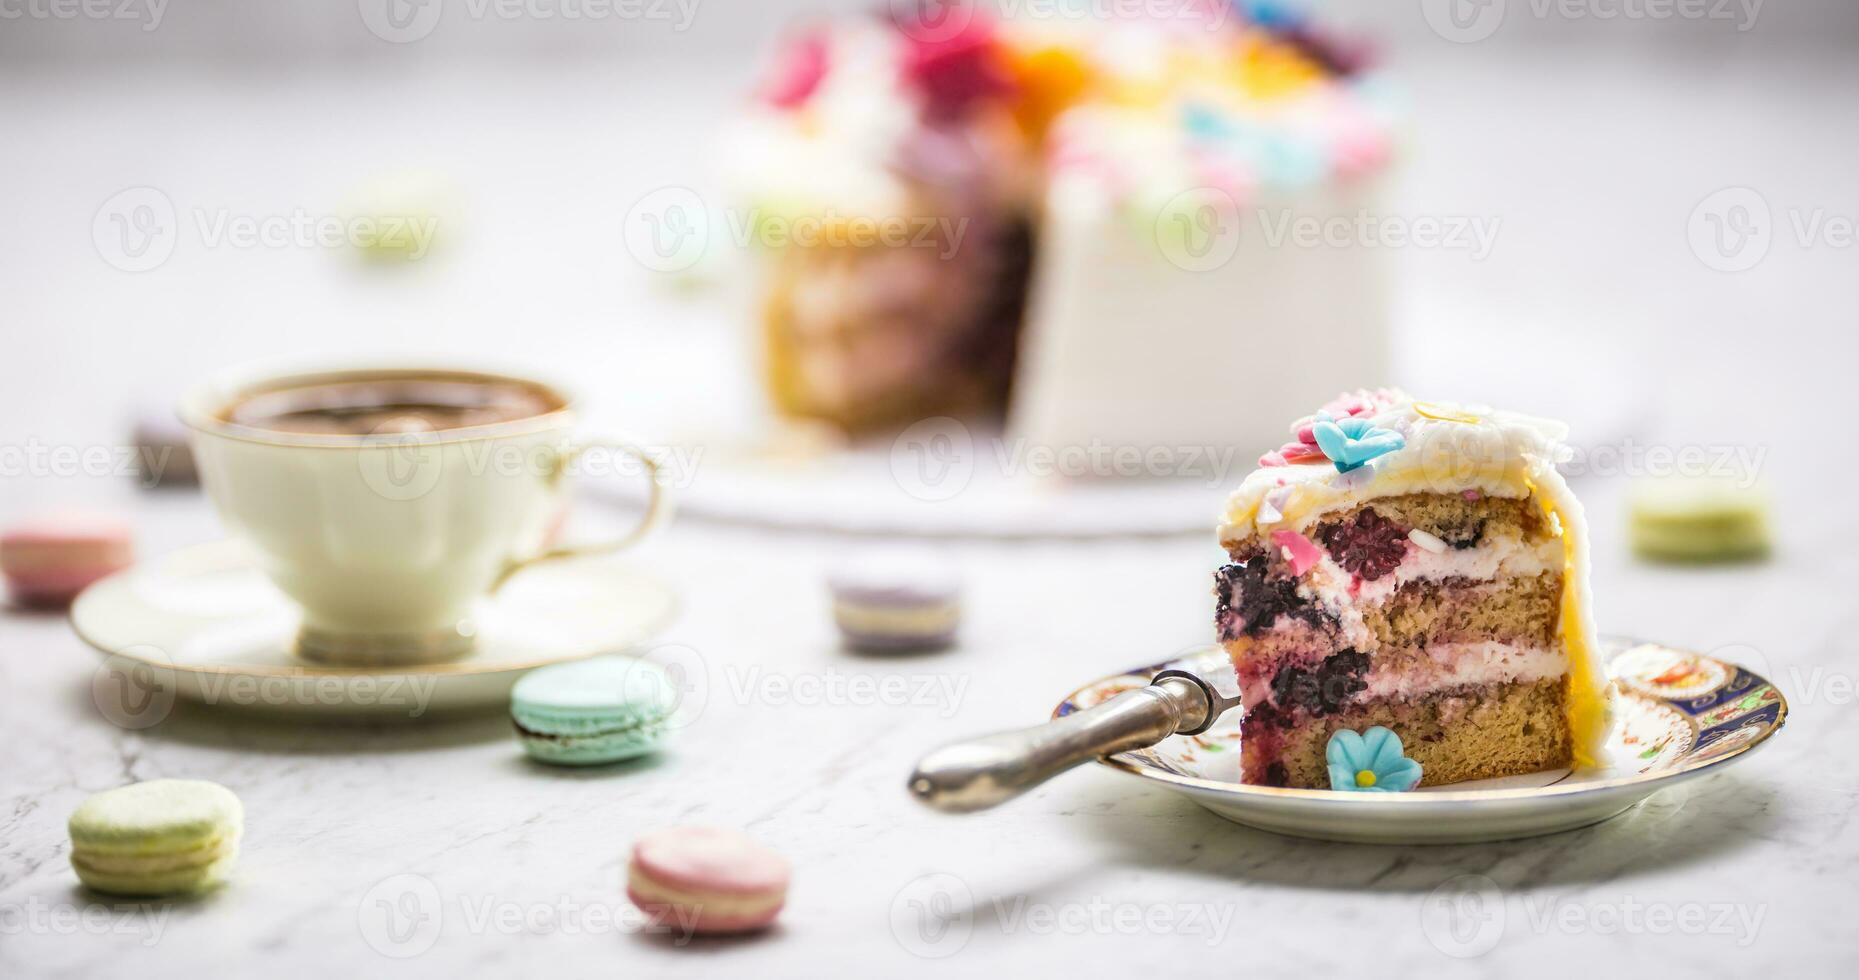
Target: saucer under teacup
<point x="206" y="625"/>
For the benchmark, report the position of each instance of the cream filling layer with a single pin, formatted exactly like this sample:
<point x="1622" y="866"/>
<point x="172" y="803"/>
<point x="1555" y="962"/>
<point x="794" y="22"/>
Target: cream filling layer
<point x="1454" y="665"/>
<point x="710" y="905"/>
<point x="1508" y="555"/>
<point x="119" y="863"/>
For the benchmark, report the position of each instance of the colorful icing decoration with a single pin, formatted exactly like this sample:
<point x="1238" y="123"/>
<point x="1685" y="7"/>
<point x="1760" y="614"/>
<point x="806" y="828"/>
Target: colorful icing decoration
<point x="798" y="71"/>
<point x="1299" y="552"/>
<point x="1270" y="14"/>
<point x="1371" y="762"/>
<point x="1293" y="454"/>
<point x="958" y="71"/>
<point x="1051" y="79"/>
<point x="1274" y="69"/>
<point x="1359" y="402"/>
<point x="1444" y="413"/>
<point x="1351" y="442"/>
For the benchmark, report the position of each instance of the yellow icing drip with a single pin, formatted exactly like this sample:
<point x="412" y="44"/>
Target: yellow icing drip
<point x="1587" y="697"/>
<point x="1443" y="413"/>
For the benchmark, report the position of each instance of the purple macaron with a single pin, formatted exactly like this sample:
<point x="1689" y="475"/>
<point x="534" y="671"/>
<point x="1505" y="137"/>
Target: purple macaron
<point x="896" y="601"/>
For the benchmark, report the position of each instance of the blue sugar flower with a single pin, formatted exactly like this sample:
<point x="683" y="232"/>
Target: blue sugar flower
<point x="1353" y="441"/>
<point x="1371" y="762"/>
<point x="1273" y="15"/>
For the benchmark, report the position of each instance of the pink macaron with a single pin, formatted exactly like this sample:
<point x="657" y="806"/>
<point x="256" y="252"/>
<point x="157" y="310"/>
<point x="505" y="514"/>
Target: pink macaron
<point x="50" y="558"/>
<point x="707" y="880"/>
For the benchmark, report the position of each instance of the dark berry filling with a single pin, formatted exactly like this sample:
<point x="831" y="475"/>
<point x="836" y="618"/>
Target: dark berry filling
<point x="1464" y="536"/>
<point x="1369" y="546"/>
<point x="1324" y="689"/>
<point x="1251" y="598"/>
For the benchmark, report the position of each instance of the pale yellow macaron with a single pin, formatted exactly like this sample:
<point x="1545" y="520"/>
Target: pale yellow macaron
<point x="161" y="837"/>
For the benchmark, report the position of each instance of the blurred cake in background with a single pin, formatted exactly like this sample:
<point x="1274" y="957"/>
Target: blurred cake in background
<point x="1082" y="225"/>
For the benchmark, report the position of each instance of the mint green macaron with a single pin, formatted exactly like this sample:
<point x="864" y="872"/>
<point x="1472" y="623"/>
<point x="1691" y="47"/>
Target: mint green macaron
<point x="1698" y="520"/>
<point x="604" y="709"/>
<point x="161" y="837"/>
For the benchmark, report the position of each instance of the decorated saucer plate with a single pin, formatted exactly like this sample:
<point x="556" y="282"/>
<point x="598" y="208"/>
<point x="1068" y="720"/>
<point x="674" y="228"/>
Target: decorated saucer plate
<point x="1679" y="715"/>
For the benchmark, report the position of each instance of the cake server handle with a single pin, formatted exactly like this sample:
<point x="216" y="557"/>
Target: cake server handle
<point x="989" y="771"/>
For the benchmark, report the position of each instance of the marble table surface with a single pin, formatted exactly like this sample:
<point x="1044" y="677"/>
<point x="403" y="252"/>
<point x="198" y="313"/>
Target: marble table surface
<point x="437" y="843"/>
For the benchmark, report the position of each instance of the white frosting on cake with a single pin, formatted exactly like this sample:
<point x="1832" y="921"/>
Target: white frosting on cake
<point x="834" y="154"/>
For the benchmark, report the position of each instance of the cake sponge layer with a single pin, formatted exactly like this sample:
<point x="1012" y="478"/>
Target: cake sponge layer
<point x="1472" y="733"/>
<point x="1421" y="613"/>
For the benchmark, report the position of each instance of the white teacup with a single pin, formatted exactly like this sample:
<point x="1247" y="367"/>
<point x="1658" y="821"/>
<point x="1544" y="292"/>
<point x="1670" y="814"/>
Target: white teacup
<point x="389" y="537"/>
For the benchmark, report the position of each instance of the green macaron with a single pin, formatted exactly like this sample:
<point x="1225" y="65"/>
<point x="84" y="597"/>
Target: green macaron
<point x="161" y="837"/>
<point x="604" y="709"/>
<point x="1698" y="520"/>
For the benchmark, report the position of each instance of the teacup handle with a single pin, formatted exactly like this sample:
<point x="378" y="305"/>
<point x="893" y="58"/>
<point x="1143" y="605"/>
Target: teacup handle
<point x="657" y="508"/>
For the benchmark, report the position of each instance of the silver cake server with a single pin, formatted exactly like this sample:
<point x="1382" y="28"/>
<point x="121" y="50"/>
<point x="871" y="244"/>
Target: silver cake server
<point x="988" y="771"/>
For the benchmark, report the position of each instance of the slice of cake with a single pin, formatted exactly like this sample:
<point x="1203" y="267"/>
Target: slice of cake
<point x="964" y="214"/>
<point x="1417" y="566"/>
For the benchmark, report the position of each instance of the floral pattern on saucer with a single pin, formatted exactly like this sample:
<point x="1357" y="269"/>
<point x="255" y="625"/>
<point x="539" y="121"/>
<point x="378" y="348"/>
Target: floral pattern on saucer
<point x="1675" y="710"/>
